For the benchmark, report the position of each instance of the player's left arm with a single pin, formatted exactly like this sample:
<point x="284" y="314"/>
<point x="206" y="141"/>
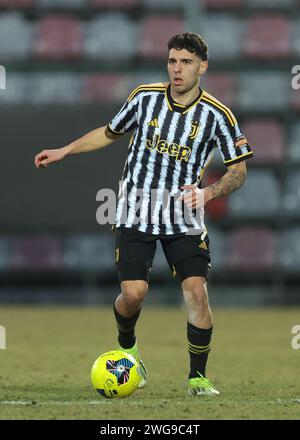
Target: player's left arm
<point x="232" y="180"/>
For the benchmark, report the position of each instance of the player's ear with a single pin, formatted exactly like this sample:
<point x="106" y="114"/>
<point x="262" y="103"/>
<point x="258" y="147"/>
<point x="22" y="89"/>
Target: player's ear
<point x="203" y="67"/>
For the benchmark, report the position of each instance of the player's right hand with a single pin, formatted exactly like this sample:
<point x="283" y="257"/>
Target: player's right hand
<point x="45" y="157"/>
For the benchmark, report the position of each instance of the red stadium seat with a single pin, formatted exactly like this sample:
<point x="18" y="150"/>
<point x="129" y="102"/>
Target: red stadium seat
<point x="104" y="88"/>
<point x="268" y="37"/>
<point x="16" y="3"/>
<point x="58" y="38"/>
<point x="217" y="208"/>
<point x="267" y="138"/>
<point x="36" y="253"/>
<point x="252" y="249"/>
<point x="114" y="4"/>
<point x="223" y="4"/>
<point x="155" y="31"/>
<point x="222" y="86"/>
<point x="295" y="100"/>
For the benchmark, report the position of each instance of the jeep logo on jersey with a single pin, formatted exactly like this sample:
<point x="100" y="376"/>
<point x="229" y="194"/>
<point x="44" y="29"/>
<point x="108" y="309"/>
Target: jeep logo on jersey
<point x="178" y="151"/>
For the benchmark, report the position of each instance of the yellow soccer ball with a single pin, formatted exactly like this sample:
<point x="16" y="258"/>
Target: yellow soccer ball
<point x="115" y="374"/>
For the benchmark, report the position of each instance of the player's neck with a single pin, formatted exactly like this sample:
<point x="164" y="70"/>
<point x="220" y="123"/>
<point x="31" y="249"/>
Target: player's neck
<point x="185" y="98"/>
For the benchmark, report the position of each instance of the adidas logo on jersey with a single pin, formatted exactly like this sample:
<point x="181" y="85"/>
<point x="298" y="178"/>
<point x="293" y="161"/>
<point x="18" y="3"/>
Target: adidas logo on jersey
<point x="153" y="123"/>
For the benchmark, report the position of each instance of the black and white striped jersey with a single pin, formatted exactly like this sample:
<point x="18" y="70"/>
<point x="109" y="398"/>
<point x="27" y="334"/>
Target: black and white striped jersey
<point x="170" y="147"/>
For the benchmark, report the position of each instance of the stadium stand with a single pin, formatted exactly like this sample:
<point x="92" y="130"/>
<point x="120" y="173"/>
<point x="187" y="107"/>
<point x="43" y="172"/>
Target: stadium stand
<point x="222" y="86"/>
<point x="168" y="5"/>
<point x="4" y="253"/>
<point x="61" y="4"/>
<point x="268" y="37"/>
<point x="291" y="194"/>
<point x="36" y="254"/>
<point x="289" y="255"/>
<point x="267" y="140"/>
<point x="104" y="87"/>
<point x="252" y="249"/>
<point x="260" y="198"/>
<point x="223" y="44"/>
<point x="20" y="4"/>
<point x="89" y="252"/>
<point x="58" y="38"/>
<point x="18" y="32"/>
<point x="256" y="92"/>
<point x="114" y="4"/>
<point x="154" y="32"/>
<point x="217" y="246"/>
<point x="100" y="37"/>
<point x="222" y="4"/>
<point x="293" y="146"/>
<point x="269" y="4"/>
<point x="55" y="88"/>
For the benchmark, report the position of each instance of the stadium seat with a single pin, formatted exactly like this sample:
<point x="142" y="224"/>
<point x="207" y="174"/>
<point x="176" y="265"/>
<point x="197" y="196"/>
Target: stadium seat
<point x="259" y="197"/>
<point x="58" y="38"/>
<point x="291" y="194"/>
<point x="16" y="4"/>
<point x="222" y="86"/>
<point x="269" y="4"/>
<point x="15" y="36"/>
<point x="293" y="145"/>
<point x="217" y="247"/>
<point x="42" y="253"/>
<point x="218" y="208"/>
<point x="55" y="88"/>
<point x="256" y="91"/>
<point x="4" y="253"/>
<point x="154" y="33"/>
<point x="252" y="249"/>
<point x="61" y="4"/>
<point x="100" y="37"/>
<point x="289" y="255"/>
<point x="114" y="4"/>
<point x="267" y="139"/>
<point x="104" y="88"/>
<point x="296" y="36"/>
<point x="168" y="5"/>
<point x="268" y="37"/>
<point x="17" y="86"/>
<point x="223" y="4"/>
<point x="226" y="43"/>
<point x="295" y="99"/>
<point x="89" y="252"/>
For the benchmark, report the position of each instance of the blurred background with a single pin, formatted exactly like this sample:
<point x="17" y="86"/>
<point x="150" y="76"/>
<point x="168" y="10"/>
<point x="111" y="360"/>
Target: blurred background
<point x="70" y="64"/>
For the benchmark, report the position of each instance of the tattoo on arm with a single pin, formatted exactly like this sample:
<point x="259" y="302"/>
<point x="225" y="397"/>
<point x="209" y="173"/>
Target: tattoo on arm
<point x="231" y="181"/>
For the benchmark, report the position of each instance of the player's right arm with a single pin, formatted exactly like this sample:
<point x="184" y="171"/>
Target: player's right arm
<point x="94" y="140"/>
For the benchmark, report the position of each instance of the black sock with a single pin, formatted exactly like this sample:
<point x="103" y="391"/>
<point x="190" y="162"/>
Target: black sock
<point x="199" y="347"/>
<point x="126" y="327"/>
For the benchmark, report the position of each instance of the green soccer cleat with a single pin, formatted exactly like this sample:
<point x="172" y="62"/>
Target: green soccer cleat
<point x="142" y="368"/>
<point x="201" y="386"/>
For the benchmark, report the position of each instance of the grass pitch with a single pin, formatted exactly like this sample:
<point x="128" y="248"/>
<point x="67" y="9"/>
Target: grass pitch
<point x="45" y="370"/>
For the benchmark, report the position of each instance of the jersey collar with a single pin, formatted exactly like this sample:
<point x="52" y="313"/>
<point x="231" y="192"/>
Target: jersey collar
<point x="175" y="106"/>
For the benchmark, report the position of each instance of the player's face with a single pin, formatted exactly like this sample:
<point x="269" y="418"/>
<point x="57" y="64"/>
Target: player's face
<point x="184" y="69"/>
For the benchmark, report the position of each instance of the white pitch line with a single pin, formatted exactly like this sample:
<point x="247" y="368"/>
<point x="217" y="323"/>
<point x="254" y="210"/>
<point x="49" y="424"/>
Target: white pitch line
<point x="37" y="402"/>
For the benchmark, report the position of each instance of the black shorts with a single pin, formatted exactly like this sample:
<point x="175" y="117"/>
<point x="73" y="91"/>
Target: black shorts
<point x="187" y="255"/>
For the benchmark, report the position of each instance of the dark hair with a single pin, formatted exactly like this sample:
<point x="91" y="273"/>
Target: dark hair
<point x="193" y="43"/>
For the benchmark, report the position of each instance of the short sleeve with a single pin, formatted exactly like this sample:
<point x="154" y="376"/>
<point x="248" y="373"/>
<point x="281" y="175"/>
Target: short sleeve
<point x="231" y="141"/>
<point x="126" y="119"/>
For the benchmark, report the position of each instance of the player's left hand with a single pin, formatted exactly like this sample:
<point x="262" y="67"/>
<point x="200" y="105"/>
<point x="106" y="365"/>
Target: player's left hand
<point x="194" y="197"/>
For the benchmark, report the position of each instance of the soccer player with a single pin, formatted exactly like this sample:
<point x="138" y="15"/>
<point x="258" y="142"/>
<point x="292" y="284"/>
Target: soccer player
<point x="175" y="128"/>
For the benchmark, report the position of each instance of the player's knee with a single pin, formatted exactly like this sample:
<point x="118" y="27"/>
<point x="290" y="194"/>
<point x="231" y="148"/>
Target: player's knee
<point x="196" y="294"/>
<point x="133" y="294"/>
